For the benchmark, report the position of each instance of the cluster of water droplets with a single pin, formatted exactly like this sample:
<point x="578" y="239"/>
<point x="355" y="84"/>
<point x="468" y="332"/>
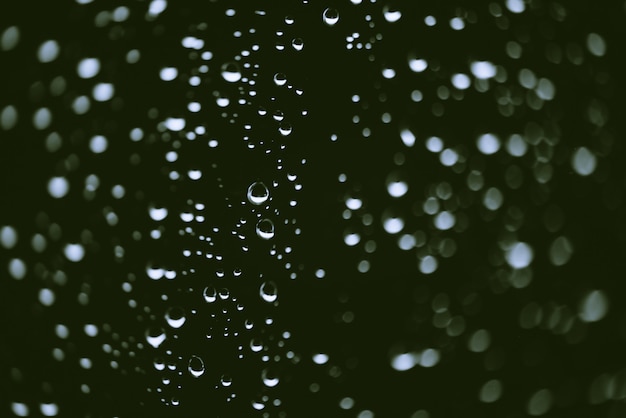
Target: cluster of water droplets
<point x="474" y="187"/>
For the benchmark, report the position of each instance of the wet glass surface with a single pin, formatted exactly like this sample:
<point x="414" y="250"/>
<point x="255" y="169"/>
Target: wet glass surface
<point x="298" y="209"/>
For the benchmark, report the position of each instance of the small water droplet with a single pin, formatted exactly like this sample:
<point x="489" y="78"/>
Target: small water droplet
<point x="584" y="161"/>
<point x="231" y="72"/>
<point x="210" y="294"/>
<point x="594" y="306"/>
<point x="519" y="255"/>
<point x="226" y="380"/>
<point x="330" y="16"/>
<point x="258" y="193"/>
<point x="488" y="144"/>
<point x="391" y="15"/>
<point x="428" y="264"/>
<point x="155" y="336"/>
<point x="196" y="366"/>
<point x="405" y="361"/>
<point x="396" y="186"/>
<point x="490" y="391"/>
<point x="175" y="317"/>
<point x="74" y="252"/>
<point x="265" y="229"/>
<point x="298" y="44"/>
<point x="269" y="378"/>
<point x="280" y="79"/>
<point x="157" y="214"/>
<point x="268" y="291"/>
<point x="539" y="403"/>
<point x="483" y="69"/>
<point x="561" y="251"/>
<point x="320" y="358"/>
<point x="285" y="129"/>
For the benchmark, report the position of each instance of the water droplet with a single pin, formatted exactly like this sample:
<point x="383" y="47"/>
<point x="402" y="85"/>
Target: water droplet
<point x="19" y="409"/>
<point x="280" y="79"/>
<point x="346" y="403"/>
<point x="10" y="38"/>
<point x="157" y="214"/>
<point x="445" y="220"/>
<point x="396" y="186"/>
<point x="488" y="144"/>
<point x="195" y="366"/>
<point x="285" y="129"/>
<point x="405" y="361"/>
<point x="483" y="69"/>
<point x="428" y="264"/>
<point x="320" y="358"/>
<point x="516" y="145"/>
<point x="298" y="44"/>
<point x="175" y="124"/>
<point x="408" y="137"/>
<point x="224" y="293"/>
<point x="49" y="409"/>
<point x="594" y="306"/>
<point x="231" y="72"/>
<point x="584" y="161"/>
<point x="561" y="251"/>
<point x="98" y="144"/>
<point x="268" y="291"/>
<point x="330" y="16"/>
<point x="515" y="6"/>
<point x="391" y="15"/>
<point x="539" y="403"/>
<point x="493" y="198"/>
<point x="258" y="193"/>
<point x="103" y="91"/>
<point x="430" y="357"/>
<point x="210" y="294"/>
<point x="88" y="68"/>
<point x="353" y="203"/>
<point x="351" y="238"/>
<point x="48" y="51"/>
<point x="490" y="391"/>
<point x="265" y="229"/>
<point x="461" y="81"/>
<point x="74" y="252"/>
<point x="8" y="117"/>
<point x="448" y="157"/>
<point x="155" y="336"/>
<point x="226" y="380"/>
<point x="596" y="44"/>
<point x="392" y="223"/>
<point x="8" y="237"/>
<point x="46" y="297"/>
<point x="479" y="341"/>
<point x="168" y="73"/>
<point x="519" y="255"/>
<point x="269" y="378"/>
<point x="256" y="345"/>
<point x="17" y="269"/>
<point x="58" y="187"/>
<point x="175" y="317"/>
